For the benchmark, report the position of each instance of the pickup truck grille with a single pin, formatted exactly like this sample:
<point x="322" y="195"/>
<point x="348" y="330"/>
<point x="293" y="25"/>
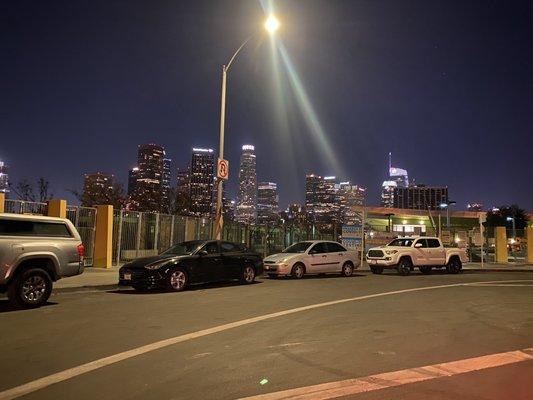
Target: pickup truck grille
<point x="375" y="253"/>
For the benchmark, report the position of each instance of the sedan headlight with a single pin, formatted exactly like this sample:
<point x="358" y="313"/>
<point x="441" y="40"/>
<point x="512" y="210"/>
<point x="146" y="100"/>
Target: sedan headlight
<point x="389" y="252"/>
<point x="156" y="265"/>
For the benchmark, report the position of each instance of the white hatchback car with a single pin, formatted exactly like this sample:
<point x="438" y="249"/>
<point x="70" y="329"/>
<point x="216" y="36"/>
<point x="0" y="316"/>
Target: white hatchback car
<point x="312" y="257"/>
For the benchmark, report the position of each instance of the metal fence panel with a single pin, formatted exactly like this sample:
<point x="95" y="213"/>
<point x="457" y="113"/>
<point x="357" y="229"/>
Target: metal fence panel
<point x="25" y="207"/>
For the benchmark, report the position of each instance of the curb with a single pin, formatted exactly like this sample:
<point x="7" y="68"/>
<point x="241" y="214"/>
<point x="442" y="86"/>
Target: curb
<point x="87" y="288"/>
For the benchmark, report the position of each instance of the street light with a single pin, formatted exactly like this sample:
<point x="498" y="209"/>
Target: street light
<point x="509" y="219"/>
<point x="447" y="206"/>
<point x="271" y="25"/>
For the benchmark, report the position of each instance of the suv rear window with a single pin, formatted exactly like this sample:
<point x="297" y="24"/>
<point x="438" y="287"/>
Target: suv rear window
<point x="13" y="227"/>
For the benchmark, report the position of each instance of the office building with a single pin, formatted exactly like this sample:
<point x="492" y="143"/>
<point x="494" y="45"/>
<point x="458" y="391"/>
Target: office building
<point x="420" y="197"/>
<point x="132" y="180"/>
<point x="398" y="178"/>
<point x="247" y="192"/>
<point x="267" y="203"/>
<point x="201" y="181"/>
<point x="4" y="179"/>
<point x="351" y="200"/>
<point x="149" y="192"/>
<point x="97" y="189"/>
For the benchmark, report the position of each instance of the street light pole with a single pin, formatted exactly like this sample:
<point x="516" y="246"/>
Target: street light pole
<point x="271" y="25"/>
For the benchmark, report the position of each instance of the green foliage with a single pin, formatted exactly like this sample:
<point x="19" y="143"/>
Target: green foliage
<point x="499" y="216"/>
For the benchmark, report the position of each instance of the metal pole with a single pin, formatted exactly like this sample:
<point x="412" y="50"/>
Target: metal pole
<point x="156" y="233"/>
<point x="172" y="230"/>
<point x="119" y="235"/>
<point x="481" y="233"/>
<point x="138" y="241"/>
<point x="448" y="217"/>
<point x="219" y="221"/>
<point x="514" y="228"/>
<point x="363" y="238"/>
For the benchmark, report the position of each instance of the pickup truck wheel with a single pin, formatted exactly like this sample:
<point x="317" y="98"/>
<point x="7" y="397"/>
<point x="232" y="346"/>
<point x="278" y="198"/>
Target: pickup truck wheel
<point x="30" y="289"/>
<point x="454" y="266"/>
<point x="425" y="270"/>
<point x="404" y="267"/>
<point x="376" y="270"/>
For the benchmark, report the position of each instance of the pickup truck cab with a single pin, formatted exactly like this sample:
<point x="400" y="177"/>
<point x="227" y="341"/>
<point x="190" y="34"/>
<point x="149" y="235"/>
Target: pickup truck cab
<point x="35" y="252"/>
<point x="406" y="253"/>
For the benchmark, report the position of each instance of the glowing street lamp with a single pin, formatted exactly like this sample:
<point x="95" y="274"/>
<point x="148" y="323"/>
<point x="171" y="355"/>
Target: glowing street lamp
<point x="271" y="25"/>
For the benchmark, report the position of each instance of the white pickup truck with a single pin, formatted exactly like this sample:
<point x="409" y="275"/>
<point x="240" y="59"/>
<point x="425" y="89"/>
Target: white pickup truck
<point x="425" y="253"/>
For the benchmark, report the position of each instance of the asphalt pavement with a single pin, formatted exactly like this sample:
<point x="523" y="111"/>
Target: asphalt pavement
<point x="228" y="341"/>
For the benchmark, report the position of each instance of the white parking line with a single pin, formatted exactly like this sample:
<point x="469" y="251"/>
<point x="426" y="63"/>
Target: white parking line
<point x="371" y="383"/>
<point x="113" y="359"/>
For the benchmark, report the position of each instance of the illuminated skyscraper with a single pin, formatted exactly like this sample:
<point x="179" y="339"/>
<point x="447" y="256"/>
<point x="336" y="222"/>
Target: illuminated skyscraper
<point x="247" y="193"/>
<point x="149" y="191"/>
<point x="267" y="203"/>
<point x="201" y="181"/>
<point x="132" y="180"/>
<point x="4" y="181"/>
<point x="398" y="178"/>
<point x="97" y="189"/>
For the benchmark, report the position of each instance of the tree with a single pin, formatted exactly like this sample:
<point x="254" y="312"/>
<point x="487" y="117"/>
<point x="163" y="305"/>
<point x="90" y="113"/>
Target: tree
<point x="114" y="195"/>
<point x="25" y="190"/>
<point x="498" y="216"/>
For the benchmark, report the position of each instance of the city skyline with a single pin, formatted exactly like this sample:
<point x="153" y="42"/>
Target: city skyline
<point x="410" y="88"/>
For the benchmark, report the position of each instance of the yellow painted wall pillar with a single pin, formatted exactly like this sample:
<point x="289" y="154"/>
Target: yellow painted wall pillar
<point x="57" y="208"/>
<point x="500" y="237"/>
<point x="2" y="202"/>
<point x="529" y="244"/>
<point x="103" y="238"/>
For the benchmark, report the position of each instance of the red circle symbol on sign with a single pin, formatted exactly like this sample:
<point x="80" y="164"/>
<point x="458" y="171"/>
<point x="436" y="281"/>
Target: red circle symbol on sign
<point x="223" y="169"/>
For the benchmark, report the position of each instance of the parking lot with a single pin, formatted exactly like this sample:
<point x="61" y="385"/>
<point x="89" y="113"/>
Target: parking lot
<point x="229" y="341"/>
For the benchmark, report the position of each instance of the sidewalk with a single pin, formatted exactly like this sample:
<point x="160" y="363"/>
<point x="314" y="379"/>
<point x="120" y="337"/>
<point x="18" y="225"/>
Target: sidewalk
<point x="107" y="279"/>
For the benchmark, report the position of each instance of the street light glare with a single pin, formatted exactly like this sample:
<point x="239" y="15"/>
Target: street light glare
<point x="272" y="24"/>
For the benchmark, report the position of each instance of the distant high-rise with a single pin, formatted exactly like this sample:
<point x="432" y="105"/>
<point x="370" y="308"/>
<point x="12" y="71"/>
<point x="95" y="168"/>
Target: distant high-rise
<point x="267" y="203"/>
<point x="97" y="189"/>
<point x="321" y="200"/>
<point x="149" y="191"/>
<point x="398" y="178"/>
<point x="4" y="181"/>
<point x="183" y="180"/>
<point x="201" y="181"/>
<point x="351" y="198"/>
<point x="165" y="184"/>
<point x="133" y="175"/>
<point x="247" y="192"/>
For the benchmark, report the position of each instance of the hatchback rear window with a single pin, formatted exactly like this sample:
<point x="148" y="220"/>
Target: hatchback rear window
<point x="13" y="227"/>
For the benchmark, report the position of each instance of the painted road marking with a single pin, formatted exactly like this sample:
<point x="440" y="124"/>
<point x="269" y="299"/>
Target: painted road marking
<point x="370" y="383"/>
<point x="70" y="373"/>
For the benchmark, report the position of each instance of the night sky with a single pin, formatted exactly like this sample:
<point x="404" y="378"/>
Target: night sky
<point x="446" y="86"/>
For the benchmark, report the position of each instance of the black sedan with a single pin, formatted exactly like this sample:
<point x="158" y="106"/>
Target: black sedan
<point x="196" y="261"/>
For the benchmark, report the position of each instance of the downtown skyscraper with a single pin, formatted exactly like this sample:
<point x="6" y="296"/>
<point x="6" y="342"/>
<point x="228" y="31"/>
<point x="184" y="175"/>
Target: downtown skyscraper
<point x="201" y="180"/>
<point x="149" y="187"/>
<point x="4" y="181"/>
<point x="267" y="203"/>
<point x="246" y="211"/>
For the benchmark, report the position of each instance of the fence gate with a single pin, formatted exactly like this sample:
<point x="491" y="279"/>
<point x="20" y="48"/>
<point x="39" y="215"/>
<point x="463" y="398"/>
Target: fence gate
<point x="84" y="219"/>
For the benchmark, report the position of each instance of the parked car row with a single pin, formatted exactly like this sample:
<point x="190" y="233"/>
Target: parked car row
<point x="211" y="260"/>
<point x="36" y="251"/>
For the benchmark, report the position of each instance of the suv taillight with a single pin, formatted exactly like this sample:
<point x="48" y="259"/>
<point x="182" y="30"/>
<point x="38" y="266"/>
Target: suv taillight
<point x="81" y="251"/>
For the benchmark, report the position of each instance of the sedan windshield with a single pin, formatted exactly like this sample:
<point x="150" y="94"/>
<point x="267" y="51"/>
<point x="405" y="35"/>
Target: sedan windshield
<point x="300" y="247"/>
<point x="183" y="249"/>
<point x="401" y="242"/>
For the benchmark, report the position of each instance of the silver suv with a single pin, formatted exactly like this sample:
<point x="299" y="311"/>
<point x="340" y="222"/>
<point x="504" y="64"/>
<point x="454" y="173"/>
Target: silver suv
<point x="34" y="252"/>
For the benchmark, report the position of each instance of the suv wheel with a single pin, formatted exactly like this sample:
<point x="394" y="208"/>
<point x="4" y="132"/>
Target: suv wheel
<point x="347" y="269"/>
<point x="376" y="269"/>
<point x="404" y="266"/>
<point x="30" y="289"/>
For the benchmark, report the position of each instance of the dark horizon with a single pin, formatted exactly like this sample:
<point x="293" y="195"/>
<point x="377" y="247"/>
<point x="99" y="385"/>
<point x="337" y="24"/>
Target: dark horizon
<point x="445" y="86"/>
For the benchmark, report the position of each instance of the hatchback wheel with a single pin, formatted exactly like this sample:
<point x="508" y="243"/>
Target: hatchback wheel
<point x="347" y="269"/>
<point x="298" y="271"/>
<point x="177" y="280"/>
<point x="248" y="274"/>
<point x="30" y="289"/>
